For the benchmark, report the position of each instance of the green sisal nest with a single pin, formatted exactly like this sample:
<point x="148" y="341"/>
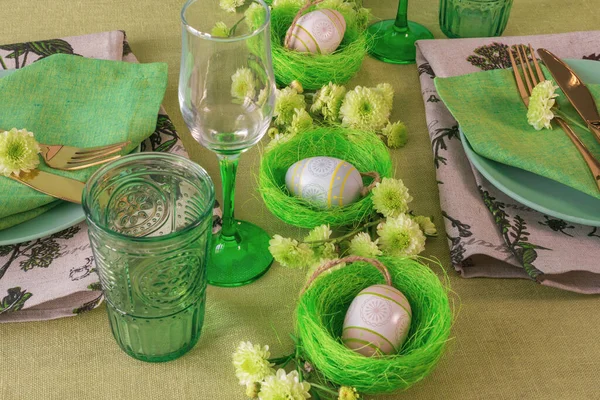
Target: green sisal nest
<point x="364" y="150"/>
<point x="320" y="315"/>
<point x="315" y="70"/>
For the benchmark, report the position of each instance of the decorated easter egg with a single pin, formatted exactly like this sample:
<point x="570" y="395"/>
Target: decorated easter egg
<point x="377" y="321"/>
<point x="319" y="32"/>
<point x="326" y="182"/>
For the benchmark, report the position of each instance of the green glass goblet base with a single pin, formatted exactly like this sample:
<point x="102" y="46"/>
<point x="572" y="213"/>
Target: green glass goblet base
<point x="396" y="45"/>
<point x="239" y="259"/>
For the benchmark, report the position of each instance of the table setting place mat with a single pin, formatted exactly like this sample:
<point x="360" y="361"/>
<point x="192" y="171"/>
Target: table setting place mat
<point x="490" y="234"/>
<point x="53" y="93"/>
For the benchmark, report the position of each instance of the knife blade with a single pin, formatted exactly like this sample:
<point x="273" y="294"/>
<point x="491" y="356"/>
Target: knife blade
<point x="575" y="90"/>
<point x="54" y="185"/>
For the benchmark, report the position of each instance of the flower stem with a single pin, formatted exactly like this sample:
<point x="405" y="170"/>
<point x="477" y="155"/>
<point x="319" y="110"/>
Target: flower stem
<point x="324" y="389"/>
<point x="570" y="120"/>
<point x="347" y="235"/>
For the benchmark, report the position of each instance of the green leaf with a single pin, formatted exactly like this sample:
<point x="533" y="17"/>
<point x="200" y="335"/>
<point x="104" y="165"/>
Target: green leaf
<point x="529" y="256"/>
<point x="95" y="286"/>
<point x="22" y="47"/>
<point x="15" y="54"/>
<point x="15" y="300"/>
<point x="46" y="48"/>
<point x="41" y="255"/>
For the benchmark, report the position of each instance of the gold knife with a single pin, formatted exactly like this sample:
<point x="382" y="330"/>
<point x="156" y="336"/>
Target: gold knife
<point x="575" y="90"/>
<point x="54" y="185"/>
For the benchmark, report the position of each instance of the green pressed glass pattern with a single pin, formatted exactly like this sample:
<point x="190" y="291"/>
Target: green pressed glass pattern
<point x="150" y="219"/>
<point x="226" y="95"/>
<point x="394" y="40"/>
<point x="474" y="18"/>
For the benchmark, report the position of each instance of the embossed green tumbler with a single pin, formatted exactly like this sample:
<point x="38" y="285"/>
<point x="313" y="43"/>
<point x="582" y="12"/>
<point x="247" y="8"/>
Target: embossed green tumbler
<point x="150" y="219"/>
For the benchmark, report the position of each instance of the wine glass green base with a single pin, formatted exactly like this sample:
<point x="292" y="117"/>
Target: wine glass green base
<point x="396" y="45"/>
<point x="240" y="259"/>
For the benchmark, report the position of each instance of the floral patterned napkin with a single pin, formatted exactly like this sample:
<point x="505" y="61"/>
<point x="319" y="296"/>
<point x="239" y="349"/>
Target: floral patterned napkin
<point x="489" y="233"/>
<point x="54" y="276"/>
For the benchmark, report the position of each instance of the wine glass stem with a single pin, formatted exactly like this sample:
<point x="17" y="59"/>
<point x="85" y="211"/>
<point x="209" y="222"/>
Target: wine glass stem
<point x="228" y="167"/>
<point x="401" y="17"/>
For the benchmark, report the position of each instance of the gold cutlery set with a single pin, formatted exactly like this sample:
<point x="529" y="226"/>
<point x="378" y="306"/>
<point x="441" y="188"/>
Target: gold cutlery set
<point x="67" y="158"/>
<point x="576" y="92"/>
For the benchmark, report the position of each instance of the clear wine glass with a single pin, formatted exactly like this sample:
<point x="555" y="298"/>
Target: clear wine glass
<point x="227" y="95"/>
<point x="395" y="39"/>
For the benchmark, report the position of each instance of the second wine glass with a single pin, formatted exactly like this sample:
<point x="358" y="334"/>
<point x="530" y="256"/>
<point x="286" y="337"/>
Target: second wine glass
<point x="226" y="95"/>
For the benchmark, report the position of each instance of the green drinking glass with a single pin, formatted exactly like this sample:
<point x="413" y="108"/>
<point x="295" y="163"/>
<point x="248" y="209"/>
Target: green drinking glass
<point x="394" y="40"/>
<point x="227" y="96"/>
<point x="474" y="18"/>
<point x="150" y="220"/>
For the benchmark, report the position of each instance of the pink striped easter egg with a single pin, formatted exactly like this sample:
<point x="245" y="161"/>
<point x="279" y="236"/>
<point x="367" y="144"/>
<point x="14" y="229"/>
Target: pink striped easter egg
<point x="377" y="322"/>
<point x="318" y="32"/>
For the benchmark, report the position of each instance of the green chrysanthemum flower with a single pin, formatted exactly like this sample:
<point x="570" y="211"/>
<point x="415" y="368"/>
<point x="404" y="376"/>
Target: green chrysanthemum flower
<point x="387" y="92"/>
<point x="230" y="5"/>
<point x="289" y="253"/>
<point x="541" y="101"/>
<point x="426" y="225"/>
<point x="365" y="109"/>
<point x="243" y="84"/>
<point x="396" y="134"/>
<point x="255" y="16"/>
<point x="18" y="152"/>
<point x="348" y="393"/>
<point x="251" y="363"/>
<point x="328" y="101"/>
<point x="220" y="30"/>
<point x="390" y="197"/>
<point x="301" y="121"/>
<point x="282" y="386"/>
<point x="362" y="245"/>
<point x="401" y="236"/>
<point x="324" y="251"/>
<point x="278" y="138"/>
<point x="321" y="232"/>
<point x="286" y="103"/>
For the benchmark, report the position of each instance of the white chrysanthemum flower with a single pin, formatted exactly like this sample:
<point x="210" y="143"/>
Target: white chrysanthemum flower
<point x="220" y="30"/>
<point x="395" y="134"/>
<point x="541" y="101"/>
<point x="230" y="5"/>
<point x="321" y="232"/>
<point x="365" y="109"/>
<point x="243" y="84"/>
<point x="251" y="363"/>
<point x="289" y="253"/>
<point x="18" y="152"/>
<point x="362" y="245"/>
<point x="282" y="386"/>
<point x="277" y="139"/>
<point x="328" y="101"/>
<point x="255" y="16"/>
<point x="301" y="121"/>
<point x="286" y="103"/>
<point x="426" y="225"/>
<point x="390" y="197"/>
<point x="400" y="236"/>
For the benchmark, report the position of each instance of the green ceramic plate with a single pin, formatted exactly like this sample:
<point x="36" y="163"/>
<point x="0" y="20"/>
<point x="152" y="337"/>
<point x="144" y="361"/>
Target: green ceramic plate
<point x="543" y="194"/>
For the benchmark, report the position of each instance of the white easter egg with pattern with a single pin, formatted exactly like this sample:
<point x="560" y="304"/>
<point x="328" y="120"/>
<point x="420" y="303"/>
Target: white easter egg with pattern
<point x="318" y="32"/>
<point x="377" y="322"/>
<point x="326" y="182"/>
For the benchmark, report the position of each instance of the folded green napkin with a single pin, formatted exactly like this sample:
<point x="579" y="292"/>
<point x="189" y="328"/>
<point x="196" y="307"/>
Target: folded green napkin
<point x="76" y="101"/>
<point x="492" y="116"/>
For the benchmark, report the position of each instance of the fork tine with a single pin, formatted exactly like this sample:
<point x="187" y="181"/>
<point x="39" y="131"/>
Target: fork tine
<point x="518" y="79"/>
<point x="90" y="156"/>
<point x="540" y="74"/>
<point x="529" y="68"/>
<point x="101" y="149"/>
<point x="72" y="165"/>
<point x="525" y="68"/>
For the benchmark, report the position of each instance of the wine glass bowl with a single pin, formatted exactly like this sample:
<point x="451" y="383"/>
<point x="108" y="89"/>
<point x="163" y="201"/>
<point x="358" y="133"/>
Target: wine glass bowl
<point x="227" y="96"/>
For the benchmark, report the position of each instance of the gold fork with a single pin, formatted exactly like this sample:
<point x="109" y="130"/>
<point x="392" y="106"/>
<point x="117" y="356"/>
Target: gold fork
<point x="70" y="158"/>
<point x="533" y="75"/>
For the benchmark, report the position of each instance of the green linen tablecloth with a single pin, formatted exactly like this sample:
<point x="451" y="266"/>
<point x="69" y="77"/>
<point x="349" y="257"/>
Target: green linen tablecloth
<point x="513" y="339"/>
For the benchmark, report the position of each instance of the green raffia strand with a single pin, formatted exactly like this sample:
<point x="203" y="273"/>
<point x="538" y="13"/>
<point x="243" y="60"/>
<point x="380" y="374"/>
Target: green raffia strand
<point x="315" y="70"/>
<point x="364" y="150"/>
<point x="320" y="315"/>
